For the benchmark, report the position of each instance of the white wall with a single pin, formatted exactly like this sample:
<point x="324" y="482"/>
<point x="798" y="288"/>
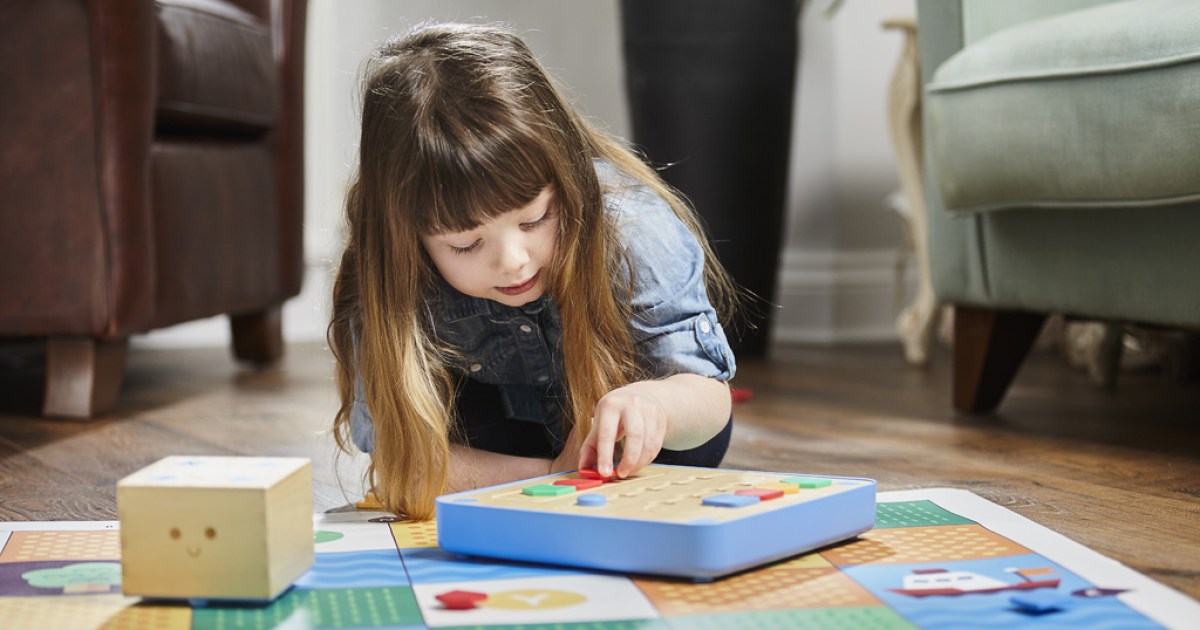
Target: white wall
<point x="837" y="281"/>
<point x="576" y="41"/>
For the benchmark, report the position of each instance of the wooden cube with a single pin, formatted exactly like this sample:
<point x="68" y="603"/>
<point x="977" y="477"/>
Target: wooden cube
<point x="216" y="528"/>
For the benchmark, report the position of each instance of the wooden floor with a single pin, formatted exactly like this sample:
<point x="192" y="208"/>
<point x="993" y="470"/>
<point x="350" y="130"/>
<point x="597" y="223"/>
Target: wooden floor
<point x="1118" y="472"/>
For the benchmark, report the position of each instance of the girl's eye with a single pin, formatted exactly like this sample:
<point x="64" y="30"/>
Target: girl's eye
<point x="535" y="224"/>
<point x="465" y="250"/>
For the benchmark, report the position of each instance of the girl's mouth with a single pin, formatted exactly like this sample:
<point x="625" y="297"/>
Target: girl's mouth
<point x="518" y="289"/>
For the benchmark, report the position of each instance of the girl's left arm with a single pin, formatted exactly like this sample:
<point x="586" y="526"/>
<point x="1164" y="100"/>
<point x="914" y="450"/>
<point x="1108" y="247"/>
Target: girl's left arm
<point x="679" y="412"/>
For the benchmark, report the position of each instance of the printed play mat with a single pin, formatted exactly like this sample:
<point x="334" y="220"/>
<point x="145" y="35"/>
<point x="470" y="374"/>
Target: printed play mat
<point x="936" y="558"/>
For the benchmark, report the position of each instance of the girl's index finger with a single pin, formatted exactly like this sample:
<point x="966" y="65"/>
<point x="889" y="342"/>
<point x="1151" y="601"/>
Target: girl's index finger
<point x="587" y="459"/>
<point x="605" y="427"/>
<point x="587" y="452"/>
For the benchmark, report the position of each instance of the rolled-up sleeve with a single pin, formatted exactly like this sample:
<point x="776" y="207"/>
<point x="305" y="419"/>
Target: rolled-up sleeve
<point x="675" y="328"/>
<point x="362" y="429"/>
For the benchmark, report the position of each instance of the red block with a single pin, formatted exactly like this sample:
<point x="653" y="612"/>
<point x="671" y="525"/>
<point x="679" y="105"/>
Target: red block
<point x="590" y="473"/>
<point x="764" y="494"/>
<point x="461" y="600"/>
<point x="741" y="394"/>
<point x="580" y="484"/>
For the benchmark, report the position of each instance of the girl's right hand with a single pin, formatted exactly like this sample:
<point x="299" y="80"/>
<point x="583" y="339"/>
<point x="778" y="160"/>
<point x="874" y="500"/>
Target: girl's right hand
<point x="632" y="416"/>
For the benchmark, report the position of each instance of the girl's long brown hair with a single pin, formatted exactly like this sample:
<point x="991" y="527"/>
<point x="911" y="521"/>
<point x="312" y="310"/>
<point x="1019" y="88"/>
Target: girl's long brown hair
<point x="461" y="124"/>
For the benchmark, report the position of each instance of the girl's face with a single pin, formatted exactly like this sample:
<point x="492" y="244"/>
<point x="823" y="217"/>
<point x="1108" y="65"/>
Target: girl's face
<point x="504" y="259"/>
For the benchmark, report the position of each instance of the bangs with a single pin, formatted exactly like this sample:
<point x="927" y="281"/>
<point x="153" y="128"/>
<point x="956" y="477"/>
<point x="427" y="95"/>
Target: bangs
<point x="462" y="182"/>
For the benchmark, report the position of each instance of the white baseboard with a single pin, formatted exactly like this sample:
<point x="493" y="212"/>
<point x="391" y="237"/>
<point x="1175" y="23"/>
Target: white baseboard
<point x="841" y="296"/>
<point x="823" y="297"/>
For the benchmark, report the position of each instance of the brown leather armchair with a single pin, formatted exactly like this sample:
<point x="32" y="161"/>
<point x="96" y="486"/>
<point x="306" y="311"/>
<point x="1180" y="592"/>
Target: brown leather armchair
<point x="151" y="173"/>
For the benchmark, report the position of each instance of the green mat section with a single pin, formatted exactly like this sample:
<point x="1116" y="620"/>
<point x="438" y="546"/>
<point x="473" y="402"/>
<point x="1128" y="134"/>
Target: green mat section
<point x="868" y="618"/>
<point x="333" y="608"/>
<point x="915" y="514"/>
<point x="632" y="624"/>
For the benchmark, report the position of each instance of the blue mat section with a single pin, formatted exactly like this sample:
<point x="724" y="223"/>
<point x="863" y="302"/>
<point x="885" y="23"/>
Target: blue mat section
<point x="355" y="569"/>
<point x="432" y="566"/>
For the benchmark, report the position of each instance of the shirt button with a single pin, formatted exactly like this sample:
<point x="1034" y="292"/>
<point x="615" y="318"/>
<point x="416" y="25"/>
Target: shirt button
<point x="705" y="328"/>
<point x="543" y="378"/>
<point x="475" y="367"/>
<point x="526" y="328"/>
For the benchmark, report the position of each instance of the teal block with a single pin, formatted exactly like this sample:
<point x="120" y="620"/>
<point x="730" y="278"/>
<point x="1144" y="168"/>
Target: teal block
<point x="547" y="490"/>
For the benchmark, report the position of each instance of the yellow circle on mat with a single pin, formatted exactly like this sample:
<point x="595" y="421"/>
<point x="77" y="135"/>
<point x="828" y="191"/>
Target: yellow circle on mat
<point x="533" y="599"/>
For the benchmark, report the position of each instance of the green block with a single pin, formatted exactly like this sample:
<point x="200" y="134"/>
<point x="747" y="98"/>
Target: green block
<point x="547" y="490"/>
<point x="808" y="483"/>
<point x="915" y="514"/>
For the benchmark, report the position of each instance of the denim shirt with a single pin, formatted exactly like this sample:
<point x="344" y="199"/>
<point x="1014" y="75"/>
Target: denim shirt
<point x="674" y="327"/>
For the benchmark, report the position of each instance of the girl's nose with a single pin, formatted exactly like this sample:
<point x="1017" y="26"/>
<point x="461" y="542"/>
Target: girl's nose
<point x="513" y="255"/>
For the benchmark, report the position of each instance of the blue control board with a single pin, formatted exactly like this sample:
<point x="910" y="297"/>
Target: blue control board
<point x="700" y="523"/>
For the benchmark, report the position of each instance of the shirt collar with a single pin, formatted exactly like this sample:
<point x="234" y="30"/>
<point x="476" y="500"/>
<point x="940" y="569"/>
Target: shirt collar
<point x="457" y="306"/>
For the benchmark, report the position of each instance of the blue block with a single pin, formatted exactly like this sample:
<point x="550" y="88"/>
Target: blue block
<point x="730" y="500"/>
<point x="593" y="500"/>
<point x="1041" y="601"/>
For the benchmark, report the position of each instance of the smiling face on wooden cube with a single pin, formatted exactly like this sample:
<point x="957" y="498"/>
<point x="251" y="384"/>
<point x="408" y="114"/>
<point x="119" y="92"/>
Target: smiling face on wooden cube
<point x="194" y="543"/>
<point x="197" y="541"/>
<point x="215" y="527"/>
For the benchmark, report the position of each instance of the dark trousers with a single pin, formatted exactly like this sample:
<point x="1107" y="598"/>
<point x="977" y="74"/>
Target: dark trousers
<point x="482" y="424"/>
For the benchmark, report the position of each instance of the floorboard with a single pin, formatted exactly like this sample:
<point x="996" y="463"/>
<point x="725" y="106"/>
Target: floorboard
<point x="1118" y="471"/>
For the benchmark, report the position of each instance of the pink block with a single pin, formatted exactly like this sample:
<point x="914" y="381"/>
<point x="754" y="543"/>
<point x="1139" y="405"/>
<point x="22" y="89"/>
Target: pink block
<point x="461" y="600"/>
<point x="764" y="494"/>
<point x="580" y="484"/>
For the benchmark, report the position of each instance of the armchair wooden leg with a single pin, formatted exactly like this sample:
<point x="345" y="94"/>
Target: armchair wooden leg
<point x="258" y="335"/>
<point x="83" y="375"/>
<point x="989" y="347"/>
<point x="1103" y="369"/>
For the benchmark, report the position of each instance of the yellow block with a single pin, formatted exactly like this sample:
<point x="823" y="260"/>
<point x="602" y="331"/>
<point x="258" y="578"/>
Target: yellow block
<point x="369" y="502"/>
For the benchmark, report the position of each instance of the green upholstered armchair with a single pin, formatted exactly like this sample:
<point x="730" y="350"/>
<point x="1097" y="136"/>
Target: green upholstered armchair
<point x="1062" y="171"/>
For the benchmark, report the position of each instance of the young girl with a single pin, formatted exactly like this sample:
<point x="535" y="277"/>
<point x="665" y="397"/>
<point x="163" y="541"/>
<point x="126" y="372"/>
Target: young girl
<point x="519" y="293"/>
